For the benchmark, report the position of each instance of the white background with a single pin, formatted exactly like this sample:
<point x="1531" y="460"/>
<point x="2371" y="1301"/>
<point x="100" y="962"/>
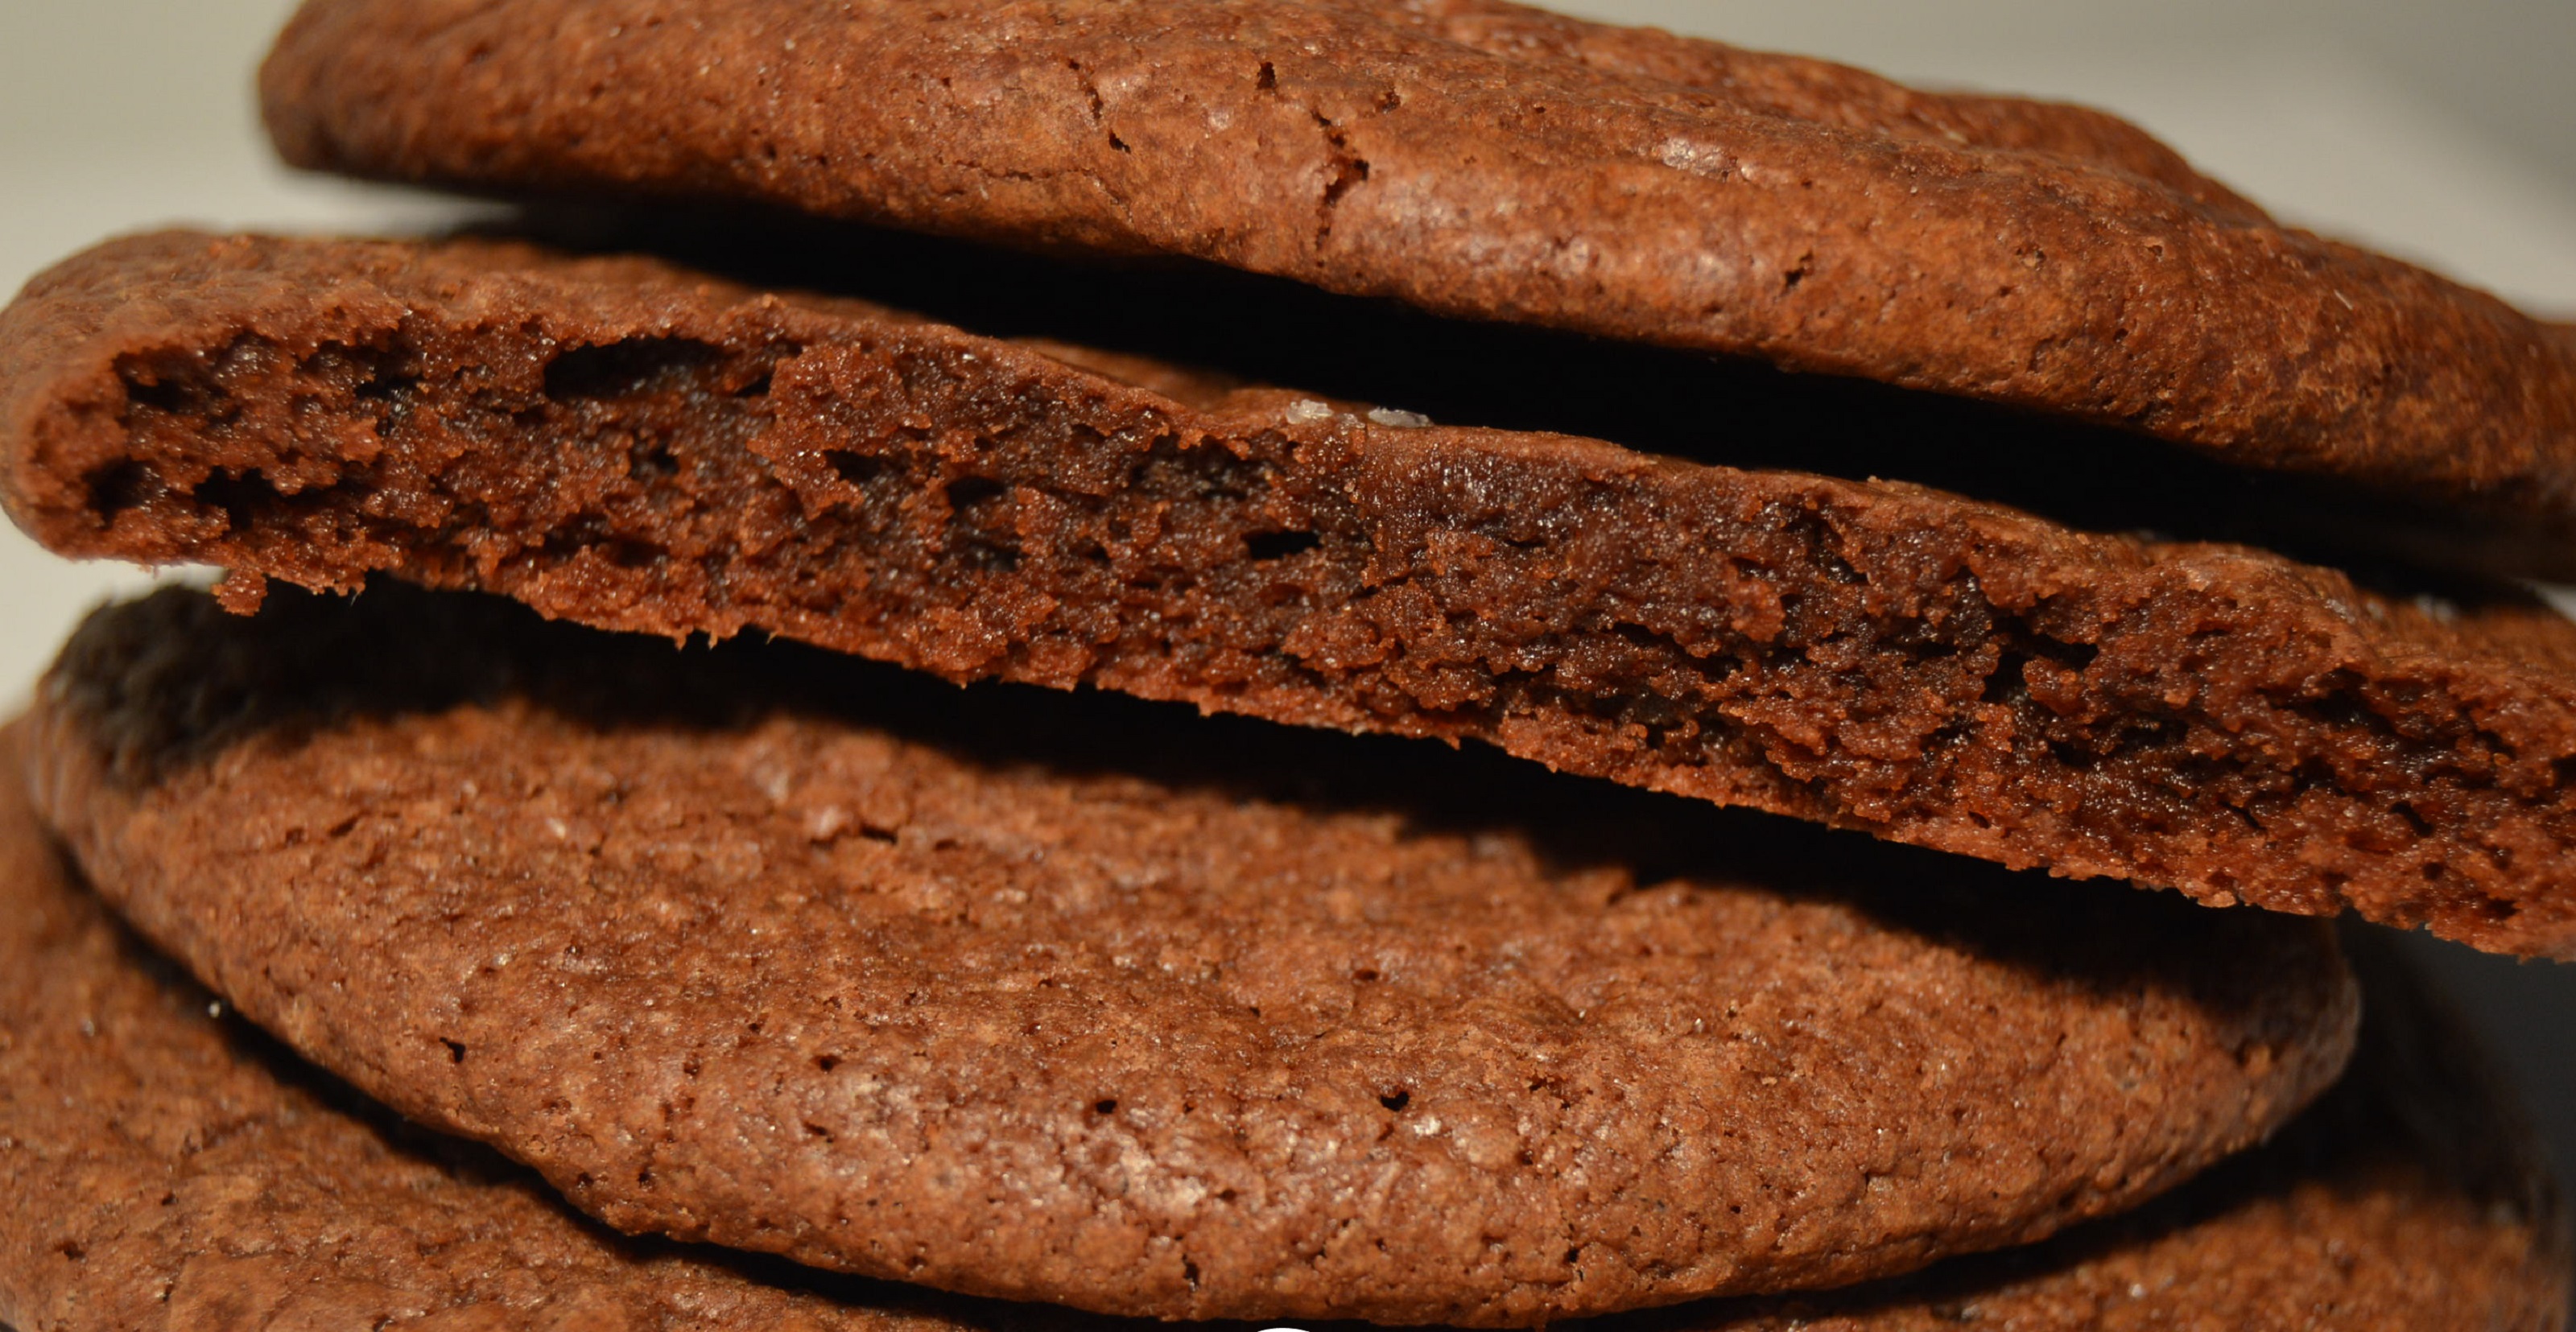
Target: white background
<point x="2440" y="131"/>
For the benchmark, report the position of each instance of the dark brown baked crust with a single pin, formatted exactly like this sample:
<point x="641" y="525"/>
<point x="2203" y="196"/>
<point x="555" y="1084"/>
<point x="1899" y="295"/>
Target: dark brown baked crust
<point x="1486" y="160"/>
<point x="637" y="447"/>
<point x="171" y="1170"/>
<point x="1076" y="1000"/>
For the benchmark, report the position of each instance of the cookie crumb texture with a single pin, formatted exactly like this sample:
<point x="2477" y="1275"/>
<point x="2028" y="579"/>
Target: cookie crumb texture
<point x="631" y="446"/>
<point x="1491" y="161"/>
<point x="1074" y="999"/>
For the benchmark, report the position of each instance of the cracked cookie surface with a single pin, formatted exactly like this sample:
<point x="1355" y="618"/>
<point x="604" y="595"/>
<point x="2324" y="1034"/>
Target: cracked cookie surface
<point x="1497" y="162"/>
<point x="172" y="1170"/>
<point x="1099" y="1002"/>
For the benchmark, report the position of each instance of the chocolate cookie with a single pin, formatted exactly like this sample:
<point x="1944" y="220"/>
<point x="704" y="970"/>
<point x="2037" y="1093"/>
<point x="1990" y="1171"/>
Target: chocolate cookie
<point x="638" y="447"/>
<point x="170" y="1169"/>
<point x="166" y="1168"/>
<point x="1104" y="1003"/>
<point x="1485" y="160"/>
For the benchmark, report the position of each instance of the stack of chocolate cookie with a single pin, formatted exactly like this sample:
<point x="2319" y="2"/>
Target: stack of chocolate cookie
<point x="772" y="979"/>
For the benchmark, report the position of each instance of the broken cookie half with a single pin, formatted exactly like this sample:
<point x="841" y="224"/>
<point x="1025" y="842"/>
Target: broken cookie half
<point x="640" y="447"/>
